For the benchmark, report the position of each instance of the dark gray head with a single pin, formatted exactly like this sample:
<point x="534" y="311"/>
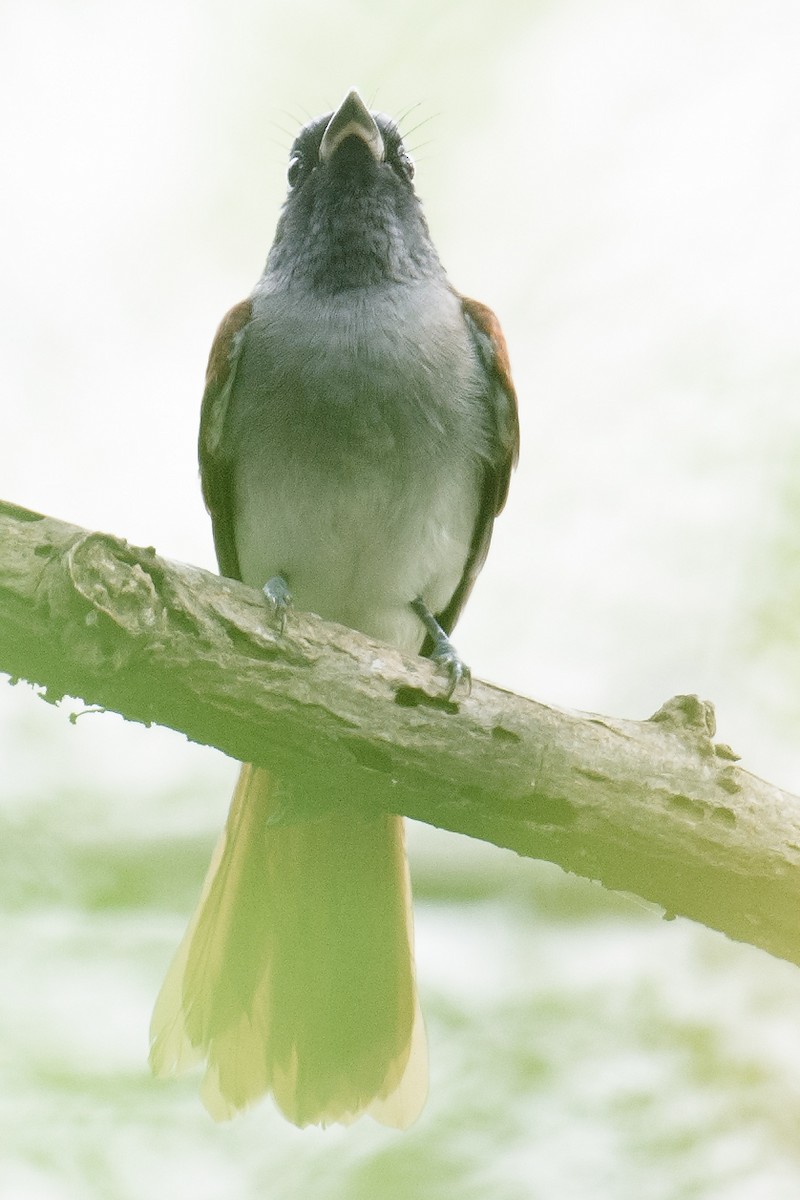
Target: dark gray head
<point x="352" y="217"/>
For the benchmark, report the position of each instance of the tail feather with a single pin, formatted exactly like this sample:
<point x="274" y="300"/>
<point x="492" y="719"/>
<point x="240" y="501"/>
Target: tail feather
<point x="296" y="973"/>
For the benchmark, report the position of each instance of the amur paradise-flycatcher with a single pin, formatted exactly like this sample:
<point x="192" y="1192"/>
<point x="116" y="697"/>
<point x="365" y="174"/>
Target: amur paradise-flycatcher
<point x="358" y="430"/>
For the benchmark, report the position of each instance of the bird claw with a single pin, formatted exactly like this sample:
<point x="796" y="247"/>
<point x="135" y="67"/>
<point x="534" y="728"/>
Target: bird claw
<point x="456" y="670"/>
<point x="279" y="598"/>
<point x="444" y="652"/>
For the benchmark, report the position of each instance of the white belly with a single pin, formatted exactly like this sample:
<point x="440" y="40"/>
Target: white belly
<point x="358" y="555"/>
<point x="359" y="456"/>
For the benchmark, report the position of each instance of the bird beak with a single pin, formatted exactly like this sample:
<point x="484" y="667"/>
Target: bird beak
<point x="352" y="119"/>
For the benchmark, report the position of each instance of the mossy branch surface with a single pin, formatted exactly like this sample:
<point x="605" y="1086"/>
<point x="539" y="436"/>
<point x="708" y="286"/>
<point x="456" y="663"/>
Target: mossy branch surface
<point x="656" y="807"/>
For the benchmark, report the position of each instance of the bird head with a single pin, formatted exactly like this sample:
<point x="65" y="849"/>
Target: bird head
<point x="351" y="217"/>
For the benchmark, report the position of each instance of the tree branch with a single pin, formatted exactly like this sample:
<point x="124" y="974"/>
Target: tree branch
<point x="652" y="807"/>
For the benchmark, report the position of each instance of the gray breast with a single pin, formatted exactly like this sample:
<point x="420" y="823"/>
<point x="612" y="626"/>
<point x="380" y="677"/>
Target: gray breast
<point x="358" y="430"/>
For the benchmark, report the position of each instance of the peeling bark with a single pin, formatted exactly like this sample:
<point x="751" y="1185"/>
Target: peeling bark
<point x="654" y="807"/>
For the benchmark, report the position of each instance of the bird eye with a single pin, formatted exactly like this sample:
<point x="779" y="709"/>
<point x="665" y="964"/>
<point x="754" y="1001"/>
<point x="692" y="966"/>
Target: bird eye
<point x="405" y="163"/>
<point x="294" y="170"/>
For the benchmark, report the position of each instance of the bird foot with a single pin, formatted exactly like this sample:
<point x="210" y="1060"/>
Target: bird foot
<point x="279" y="599"/>
<point x="456" y="670"/>
<point x="444" y="653"/>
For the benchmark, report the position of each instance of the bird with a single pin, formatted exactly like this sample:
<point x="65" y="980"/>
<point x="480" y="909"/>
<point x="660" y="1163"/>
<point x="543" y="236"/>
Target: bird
<point x="358" y="429"/>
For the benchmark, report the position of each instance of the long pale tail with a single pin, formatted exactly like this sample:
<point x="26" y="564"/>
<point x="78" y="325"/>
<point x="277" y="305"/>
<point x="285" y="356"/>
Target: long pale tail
<point x="296" y="973"/>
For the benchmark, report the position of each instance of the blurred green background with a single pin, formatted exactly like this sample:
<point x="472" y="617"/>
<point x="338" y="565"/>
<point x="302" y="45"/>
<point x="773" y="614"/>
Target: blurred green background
<point x="621" y="182"/>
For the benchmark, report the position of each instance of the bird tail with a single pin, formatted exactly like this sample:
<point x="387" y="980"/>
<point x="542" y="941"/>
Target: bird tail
<point x="296" y="973"/>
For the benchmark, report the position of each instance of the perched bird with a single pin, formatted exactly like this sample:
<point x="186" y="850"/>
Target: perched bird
<point x="358" y="429"/>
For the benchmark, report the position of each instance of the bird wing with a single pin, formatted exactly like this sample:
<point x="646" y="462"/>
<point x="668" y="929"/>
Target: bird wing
<point x="501" y="412"/>
<point x="215" y="468"/>
<point x="500" y="399"/>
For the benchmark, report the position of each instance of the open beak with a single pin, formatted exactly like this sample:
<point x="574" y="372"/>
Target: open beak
<point x="352" y="119"/>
